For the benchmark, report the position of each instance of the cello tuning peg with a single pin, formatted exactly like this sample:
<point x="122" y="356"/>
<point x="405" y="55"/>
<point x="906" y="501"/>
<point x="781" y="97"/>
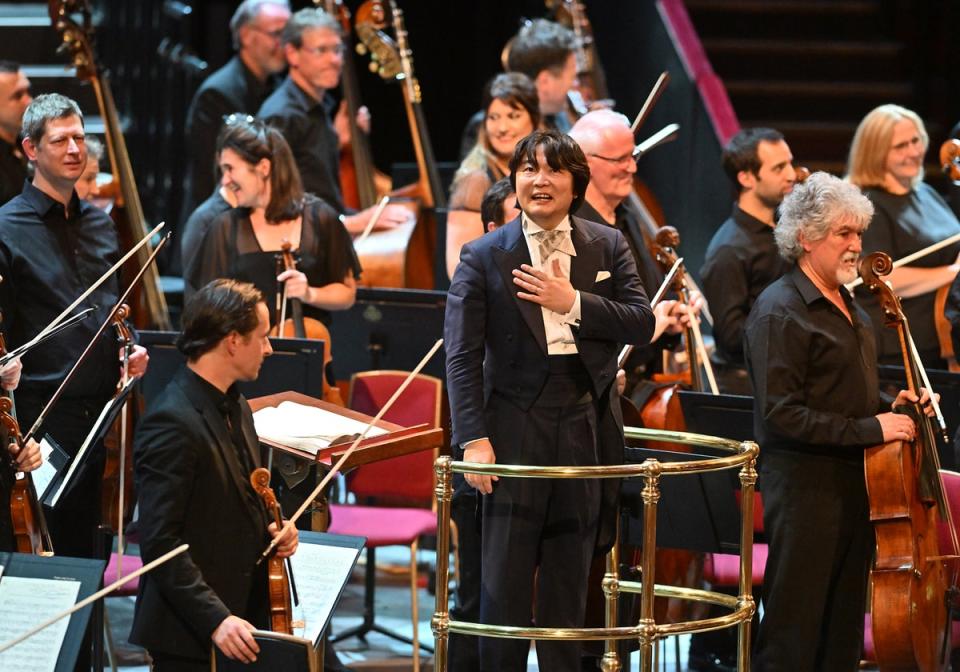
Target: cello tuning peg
<point x="361" y="48"/>
<point x="373" y="67"/>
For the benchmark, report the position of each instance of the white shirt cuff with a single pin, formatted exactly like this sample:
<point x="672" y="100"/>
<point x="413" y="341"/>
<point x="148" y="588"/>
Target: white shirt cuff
<point x="573" y="316"/>
<point x="467" y="444"/>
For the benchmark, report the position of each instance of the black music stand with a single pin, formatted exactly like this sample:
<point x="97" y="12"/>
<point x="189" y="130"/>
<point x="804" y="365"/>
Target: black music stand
<point x="296" y="364"/>
<point x="60" y="568"/>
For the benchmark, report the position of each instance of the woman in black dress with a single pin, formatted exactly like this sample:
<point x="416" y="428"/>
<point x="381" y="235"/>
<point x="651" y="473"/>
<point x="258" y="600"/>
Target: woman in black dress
<point x="245" y="243"/>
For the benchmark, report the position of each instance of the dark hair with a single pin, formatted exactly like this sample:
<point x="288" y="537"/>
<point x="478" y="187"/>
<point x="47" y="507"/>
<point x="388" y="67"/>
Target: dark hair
<point x="44" y="108"/>
<point x="9" y="66"/>
<point x="561" y="153"/>
<point x="246" y="13"/>
<point x="516" y="90"/>
<point x="254" y="140"/>
<point x="740" y="152"/>
<point x="305" y="19"/>
<point x="218" y="309"/>
<point x="540" y="45"/>
<point x="491" y="207"/>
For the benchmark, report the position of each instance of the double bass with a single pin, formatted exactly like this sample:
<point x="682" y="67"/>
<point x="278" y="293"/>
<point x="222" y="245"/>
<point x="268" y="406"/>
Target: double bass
<point x="912" y="583"/>
<point x="302" y="327"/>
<point x="402" y="257"/>
<point x="78" y="42"/>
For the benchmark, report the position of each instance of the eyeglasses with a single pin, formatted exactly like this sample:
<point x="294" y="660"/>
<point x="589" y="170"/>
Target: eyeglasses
<point x="275" y="35"/>
<point x="324" y="49"/>
<point x="624" y="160"/>
<point x="237" y="118"/>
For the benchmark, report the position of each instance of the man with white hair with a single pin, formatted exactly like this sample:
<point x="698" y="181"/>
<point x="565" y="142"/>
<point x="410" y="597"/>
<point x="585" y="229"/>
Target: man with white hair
<point x="811" y="355"/>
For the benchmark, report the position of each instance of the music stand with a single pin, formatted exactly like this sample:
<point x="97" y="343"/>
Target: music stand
<point x="89" y="573"/>
<point x="296" y="363"/>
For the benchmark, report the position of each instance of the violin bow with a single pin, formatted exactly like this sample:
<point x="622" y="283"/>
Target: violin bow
<point x="356" y="442"/>
<point x="373" y="220"/>
<point x="658" y="88"/>
<point x="666" y="134"/>
<point x="919" y="254"/>
<point x="37" y="340"/>
<point x="150" y="566"/>
<point x="96" y="336"/>
<point x="661" y="290"/>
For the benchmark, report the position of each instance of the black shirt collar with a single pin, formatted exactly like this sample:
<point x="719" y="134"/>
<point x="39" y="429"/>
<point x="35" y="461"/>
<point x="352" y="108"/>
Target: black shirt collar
<point x="809" y="292"/>
<point x="749" y="222"/>
<point x="43" y="203"/>
<point x="222" y="401"/>
<point x="305" y="100"/>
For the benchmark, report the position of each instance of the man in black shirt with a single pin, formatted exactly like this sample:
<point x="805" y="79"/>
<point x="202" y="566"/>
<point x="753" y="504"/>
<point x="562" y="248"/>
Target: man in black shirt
<point x="742" y="259"/>
<point x="14" y="98"/>
<point x="301" y="109"/>
<point x="195" y="451"/>
<point x="811" y="355"/>
<point x="240" y="86"/>
<point x="53" y="246"/>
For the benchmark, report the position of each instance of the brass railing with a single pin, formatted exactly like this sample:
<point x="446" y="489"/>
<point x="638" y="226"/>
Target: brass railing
<point x="646" y="632"/>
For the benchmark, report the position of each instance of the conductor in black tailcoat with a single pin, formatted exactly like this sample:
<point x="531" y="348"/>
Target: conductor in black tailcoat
<point x="194" y="453"/>
<point x="536" y="313"/>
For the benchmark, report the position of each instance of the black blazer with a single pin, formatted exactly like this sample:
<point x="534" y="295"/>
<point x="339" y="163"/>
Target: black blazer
<point x="192" y="489"/>
<point x="495" y="341"/>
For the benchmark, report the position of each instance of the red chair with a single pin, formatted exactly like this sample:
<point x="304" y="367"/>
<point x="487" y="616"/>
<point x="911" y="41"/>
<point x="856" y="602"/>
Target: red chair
<point x="951" y="485"/>
<point x="130" y="564"/>
<point x="723" y="569"/>
<point x="407" y="480"/>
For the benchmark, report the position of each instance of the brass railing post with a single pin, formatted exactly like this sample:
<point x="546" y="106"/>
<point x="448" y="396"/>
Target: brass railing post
<point x="648" y="627"/>
<point x="611" y="592"/>
<point x="441" y="616"/>
<point x="748" y="481"/>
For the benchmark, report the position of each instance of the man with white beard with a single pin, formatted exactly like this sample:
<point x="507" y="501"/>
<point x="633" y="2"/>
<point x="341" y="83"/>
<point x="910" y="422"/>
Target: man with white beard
<point x="811" y="355"/>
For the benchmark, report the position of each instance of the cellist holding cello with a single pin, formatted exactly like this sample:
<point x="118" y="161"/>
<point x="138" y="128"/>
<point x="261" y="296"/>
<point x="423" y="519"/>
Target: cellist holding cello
<point x="811" y="356"/>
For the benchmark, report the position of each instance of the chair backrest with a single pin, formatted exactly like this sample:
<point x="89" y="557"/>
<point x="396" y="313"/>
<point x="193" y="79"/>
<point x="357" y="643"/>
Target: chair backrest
<point x="951" y="486"/>
<point x="409" y="478"/>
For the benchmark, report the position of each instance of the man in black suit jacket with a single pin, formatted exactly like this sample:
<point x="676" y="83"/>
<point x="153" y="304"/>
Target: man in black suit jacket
<point x="194" y="453"/>
<point x="240" y="87"/>
<point x="535" y="316"/>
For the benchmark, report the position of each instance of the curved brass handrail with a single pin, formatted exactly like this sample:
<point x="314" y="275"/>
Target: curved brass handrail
<point x="743" y="455"/>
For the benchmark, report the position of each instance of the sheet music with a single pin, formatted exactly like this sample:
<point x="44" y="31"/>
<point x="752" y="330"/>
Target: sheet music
<point x="306" y="428"/>
<point x="43" y="477"/>
<point x="27" y="602"/>
<point x="320" y="572"/>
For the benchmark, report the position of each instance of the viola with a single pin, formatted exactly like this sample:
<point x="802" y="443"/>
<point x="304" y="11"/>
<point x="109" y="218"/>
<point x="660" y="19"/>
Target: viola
<point x="29" y="524"/>
<point x="151" y="307"/>
<point x="278" y="582"/>
<point x="303" y="327"/>
<point x="117" y="499"/>
<point x="950" y="159"/>
<point x="911" y="584"/>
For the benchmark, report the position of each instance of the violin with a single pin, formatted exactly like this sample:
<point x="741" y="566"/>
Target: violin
<point x="26" y="512"/>
<point x="278" y="582"/>
<point x="950" y="159"/>
<point x="911" y="587"/>
<point x="360" y="181"/>
<point x="118" y="498"/>
<point x="300" y="326"/>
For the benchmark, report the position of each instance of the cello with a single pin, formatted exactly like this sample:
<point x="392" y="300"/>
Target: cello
<point x="911" y="588"/>
<point x="402" y="257"/>
<point x="303" y="327"/>
<point x="78" y="42"/>
<point x="278" y="581"/>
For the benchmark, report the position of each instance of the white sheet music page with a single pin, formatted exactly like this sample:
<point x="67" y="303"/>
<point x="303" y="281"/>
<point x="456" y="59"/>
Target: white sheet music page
<point x="306" y="428"/>
<point x="43" y="477"/>
<point x="320" y="572"/>
<point x="24" y="603"/>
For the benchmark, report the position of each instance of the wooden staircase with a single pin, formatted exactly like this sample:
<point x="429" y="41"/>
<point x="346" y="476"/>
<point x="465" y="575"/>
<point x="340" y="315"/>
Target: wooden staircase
<point x="810" y="68"/>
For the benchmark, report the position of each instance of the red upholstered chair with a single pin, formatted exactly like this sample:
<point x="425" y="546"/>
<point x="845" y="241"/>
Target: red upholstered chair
<point x="130" y="564"/>
<point x="951" y="485"/>
<point x="380" y="487"/>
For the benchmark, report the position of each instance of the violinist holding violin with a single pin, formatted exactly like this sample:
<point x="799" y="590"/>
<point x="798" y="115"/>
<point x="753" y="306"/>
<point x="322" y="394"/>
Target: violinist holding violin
<point x="811" y="355"/>
<point x="258" y="169"/>
<point x="195" y="451"/>
<point x="28" y="459"/>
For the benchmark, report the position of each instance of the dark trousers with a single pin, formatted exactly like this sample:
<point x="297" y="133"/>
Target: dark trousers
<point x="163" y="662"/>
<point x="464" y="650"/>
<point x="816" y="519"/>
<point x="539" y="531"/>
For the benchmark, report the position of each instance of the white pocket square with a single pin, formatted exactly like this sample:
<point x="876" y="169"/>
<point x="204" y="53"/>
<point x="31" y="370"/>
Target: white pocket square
<point x="602" y="275"/>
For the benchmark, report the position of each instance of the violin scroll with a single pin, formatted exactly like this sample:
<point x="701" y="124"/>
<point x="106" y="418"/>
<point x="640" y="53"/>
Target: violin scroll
<point x="950" y="159"/>
<point x="802" y="173"/>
